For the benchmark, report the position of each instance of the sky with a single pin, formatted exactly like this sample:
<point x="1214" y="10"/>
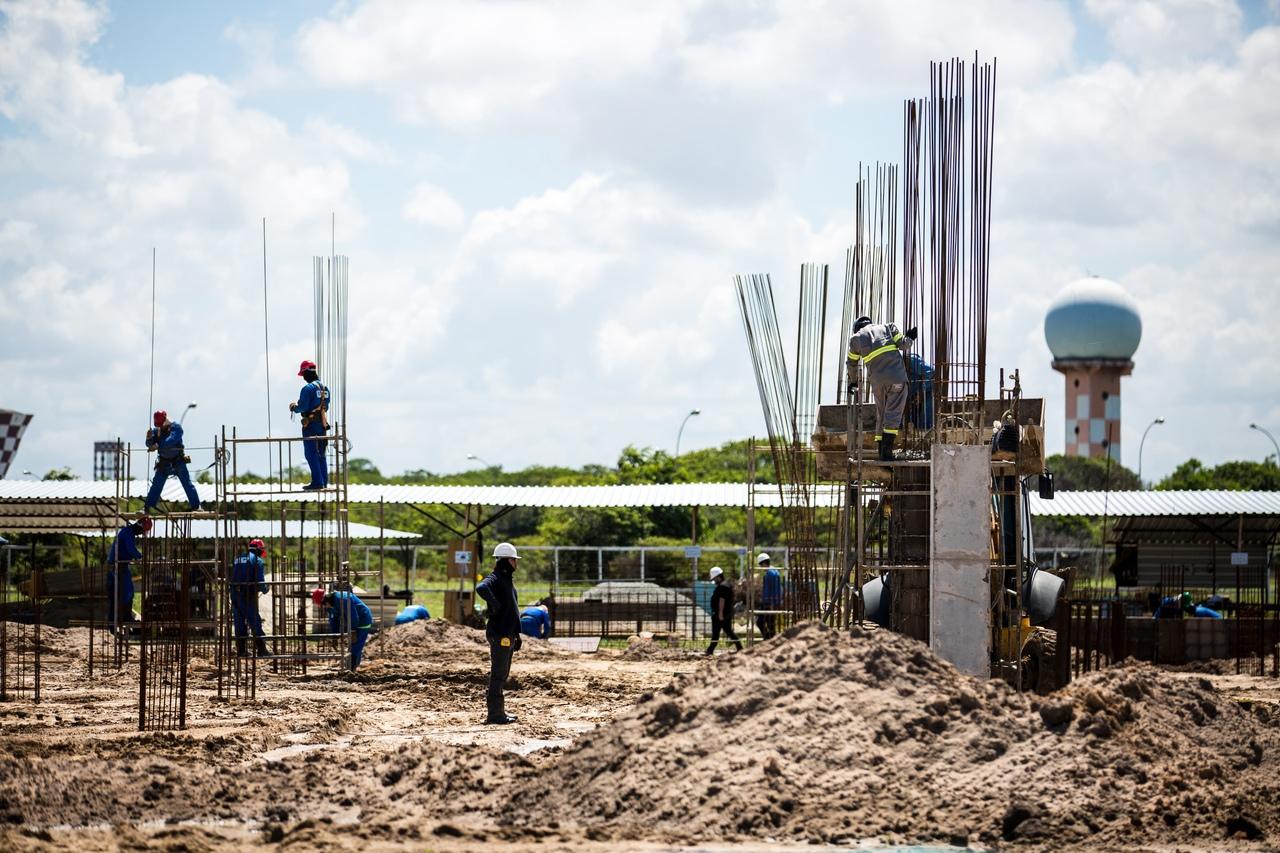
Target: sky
<point x="544" y="204"/>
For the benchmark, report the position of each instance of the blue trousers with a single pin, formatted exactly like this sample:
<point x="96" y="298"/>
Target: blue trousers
<point x="177" y="468"/>
<point x="358" y="638"/>
<point x="244" y="611"/>
<point x="314" y="452"/>
<point x="119" y="600"/>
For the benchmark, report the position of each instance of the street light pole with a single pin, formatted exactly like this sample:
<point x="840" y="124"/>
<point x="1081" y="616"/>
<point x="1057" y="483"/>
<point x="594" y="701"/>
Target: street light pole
<point x="475" y="458"/>
<point x="183" y="417"/>
<point x="1270" y="436"/>
<point x="681" y="432"/>
<point x="1142" y="443"/>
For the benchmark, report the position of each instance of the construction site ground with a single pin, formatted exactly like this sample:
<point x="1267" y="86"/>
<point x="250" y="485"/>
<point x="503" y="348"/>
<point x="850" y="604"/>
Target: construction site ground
<point x="816" y="740"/>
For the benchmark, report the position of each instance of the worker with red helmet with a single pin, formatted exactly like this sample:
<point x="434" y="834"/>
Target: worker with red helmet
<point x="119" y="580"/>
<point x="165" y="438"/>
<point x="346" y="612"/>
<point x="313" y="405"/>
<point x="246" y="582"/>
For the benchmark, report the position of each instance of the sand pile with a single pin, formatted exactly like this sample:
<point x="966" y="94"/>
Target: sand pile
<point x="828" y="737"/>
<point x="641" y="647"/>
<point x="437" y="637"/>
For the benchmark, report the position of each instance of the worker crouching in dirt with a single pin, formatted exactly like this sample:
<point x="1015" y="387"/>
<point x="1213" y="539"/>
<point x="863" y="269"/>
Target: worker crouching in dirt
<point x="721" y="611"/>
<point x="346" y="610"/>
<point x="502" y="627"/>
<point x="535" y="621"/>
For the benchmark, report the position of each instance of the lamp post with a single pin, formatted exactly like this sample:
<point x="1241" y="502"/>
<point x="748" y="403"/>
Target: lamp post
<point x="682" y="423"/>
<point x="1270" y="436"/>
<point x="1142" y="443"/>
<point x="475" y="458"/>
<point x="183" y="417"/>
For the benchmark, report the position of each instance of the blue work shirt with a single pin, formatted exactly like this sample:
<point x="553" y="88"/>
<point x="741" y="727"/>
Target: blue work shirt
<point x="360" y="617"/>
<point x="167" y="447"/>
<point x="1205" y="613"/>
<point x="771" y="589"/>
<point x="125" y="547"/>
<point x="314" y="395"/>
<point x="249" y="569"/>
<point x="412" y="613"/>
<point x="535" y="622"/>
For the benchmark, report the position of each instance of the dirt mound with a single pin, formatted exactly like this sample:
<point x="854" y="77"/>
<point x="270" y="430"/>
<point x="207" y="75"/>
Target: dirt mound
<point x="439" y="637"/>
<point x="830" y="737"/>
<point x="647" y="648"/>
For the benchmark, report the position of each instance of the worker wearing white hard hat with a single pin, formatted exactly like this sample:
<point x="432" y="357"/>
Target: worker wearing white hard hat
<point x="770" y="597"/>
<point x="721" y="610"/>
<point x="502" y="627"/>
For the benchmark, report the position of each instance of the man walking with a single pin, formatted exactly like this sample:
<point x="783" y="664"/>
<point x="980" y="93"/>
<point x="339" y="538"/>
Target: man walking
<point x="313" y="406"/>
<point x="119" y="580"/>
<point x="770" y="597"/>
<point x="165" y="438"/>
<point x="880" y="347"/>
<point x="721" y="610"/>
<point x="502" y="628"/>
<point x="247" y="582"/>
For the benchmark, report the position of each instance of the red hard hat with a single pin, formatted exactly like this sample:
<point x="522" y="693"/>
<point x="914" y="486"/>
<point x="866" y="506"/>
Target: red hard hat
<point x="258" y="543"/>
<point x="145" y="523"/>
<point x="305" y="366"/>
<point x="160" y="417"/>
<point x="317" y="596"/>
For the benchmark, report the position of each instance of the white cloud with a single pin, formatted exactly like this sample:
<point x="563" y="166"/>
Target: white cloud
<point x="1177" y="32"/>
<point x="431" y="205"/>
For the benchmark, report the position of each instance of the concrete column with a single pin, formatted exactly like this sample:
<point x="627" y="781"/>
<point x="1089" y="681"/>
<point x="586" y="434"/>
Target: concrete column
<point x="960" y="557"/>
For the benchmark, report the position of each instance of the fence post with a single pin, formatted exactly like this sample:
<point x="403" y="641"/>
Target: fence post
<point x="641" y="563"/>
<point x="599" y="564"/>
<point x="555" y="561"/>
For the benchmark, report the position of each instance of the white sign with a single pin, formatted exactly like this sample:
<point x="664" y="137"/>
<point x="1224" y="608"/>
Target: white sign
<point x="1239" y="558"/>
<point x="462" y="558"/>
<point x="692" y="552"/>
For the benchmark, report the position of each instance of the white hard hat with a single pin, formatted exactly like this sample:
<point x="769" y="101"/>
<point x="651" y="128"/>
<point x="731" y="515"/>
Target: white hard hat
<point x="716" y="572"/>
<point x="763" y="558"/>
<point x="506" y="549"/>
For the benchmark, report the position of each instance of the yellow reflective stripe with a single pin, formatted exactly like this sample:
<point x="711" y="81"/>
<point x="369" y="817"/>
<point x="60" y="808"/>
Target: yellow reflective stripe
<point x="897" y="337"/>
<point x="888" y="431"/>
<point x="853" y="356"/>
<point x="876" y="353"/>
<point x="877" y="438"/>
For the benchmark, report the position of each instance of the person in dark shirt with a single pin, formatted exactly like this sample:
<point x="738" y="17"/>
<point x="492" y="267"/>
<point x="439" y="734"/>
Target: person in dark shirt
<point x="502" y="628"/>
<point x="721" y="610"/>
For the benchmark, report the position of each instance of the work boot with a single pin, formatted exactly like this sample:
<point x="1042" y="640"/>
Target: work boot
<point x="504" y="720"/>
<point x="242" y="647"/>
<point x="737" y="645"/>
<point x="886" y="447"/>
<point x="711" y="649"/>
<point x="260" y="646"/>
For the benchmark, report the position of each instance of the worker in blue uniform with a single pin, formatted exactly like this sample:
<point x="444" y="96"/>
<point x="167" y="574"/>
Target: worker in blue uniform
<point x="313" y="406"/>
<point x="919" y="411"/>
<point x="347" y="612"/>
<point x="770" y="597"/>
<point x="248" y="580"/>
<point x="165" y="438"/>
<point x="502" y="628"/>
<point x="119" y="580"/>
<point x="535" y="621"/>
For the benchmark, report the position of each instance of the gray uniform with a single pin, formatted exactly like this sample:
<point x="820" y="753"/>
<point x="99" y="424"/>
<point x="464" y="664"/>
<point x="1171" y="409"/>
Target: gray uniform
<point x="879" y="346"/>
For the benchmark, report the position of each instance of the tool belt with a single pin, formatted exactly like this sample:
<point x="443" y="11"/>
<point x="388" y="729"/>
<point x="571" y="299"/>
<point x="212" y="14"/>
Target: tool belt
<point x="184" y="459"/>
<point x="317" y="414"/>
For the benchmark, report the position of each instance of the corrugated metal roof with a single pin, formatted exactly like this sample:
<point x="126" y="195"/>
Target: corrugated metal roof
<point x="33" y="493"/>
<point x="1137" y="504"/>
<point x="208" y="529"/>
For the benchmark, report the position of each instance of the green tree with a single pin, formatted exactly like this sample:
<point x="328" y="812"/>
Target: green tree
<point x="63" y="473"/>
<point x="1083" y="473"/>
<point x="1232" y="476"/>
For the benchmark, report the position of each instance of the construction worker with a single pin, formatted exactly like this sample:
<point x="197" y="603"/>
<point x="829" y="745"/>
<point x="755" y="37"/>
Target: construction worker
<point x="721" y="610"/>
<point x="880" y="347"/>
<point x="535" y="621"/>
<point x="313" y="406"/>
<point x="770" y="597"/>
<point x="346" y="610"/>
<point x="165" y="438"/>
<point x="248" y="581"/>
<point x="119" y="580"/>
<point x="502" y="627"/>
<point x="919" y="412"/>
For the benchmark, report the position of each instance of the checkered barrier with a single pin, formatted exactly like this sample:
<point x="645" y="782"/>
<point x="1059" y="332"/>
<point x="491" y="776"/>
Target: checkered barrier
<point x="12" y="425"/>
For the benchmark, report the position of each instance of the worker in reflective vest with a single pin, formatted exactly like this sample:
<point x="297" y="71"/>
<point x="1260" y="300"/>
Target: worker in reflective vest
<point x="879" y="348"/>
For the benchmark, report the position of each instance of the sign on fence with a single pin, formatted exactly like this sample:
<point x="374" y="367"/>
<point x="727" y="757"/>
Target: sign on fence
<point x="692" y="552"/>
<point x="1239" y="558"/>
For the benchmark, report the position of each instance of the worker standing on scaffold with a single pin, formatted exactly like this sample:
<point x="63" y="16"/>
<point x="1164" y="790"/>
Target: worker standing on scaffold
<point x="313" y="405"/>
<point x="165" y="438"/>
<point x="119" y="580"/>
<point x="881" y="346"/>
<point x="248" y="581"/>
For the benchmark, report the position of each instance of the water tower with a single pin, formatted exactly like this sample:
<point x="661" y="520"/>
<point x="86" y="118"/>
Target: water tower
<point x="1093" y="329"/>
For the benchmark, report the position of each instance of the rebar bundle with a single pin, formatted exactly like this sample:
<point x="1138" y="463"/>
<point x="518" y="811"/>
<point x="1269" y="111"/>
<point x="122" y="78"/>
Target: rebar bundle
<point x="870" y="286"/>
<point x="330" y="321"/>
<point x="19" y="629"/>
<point x="947" y="174"/>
